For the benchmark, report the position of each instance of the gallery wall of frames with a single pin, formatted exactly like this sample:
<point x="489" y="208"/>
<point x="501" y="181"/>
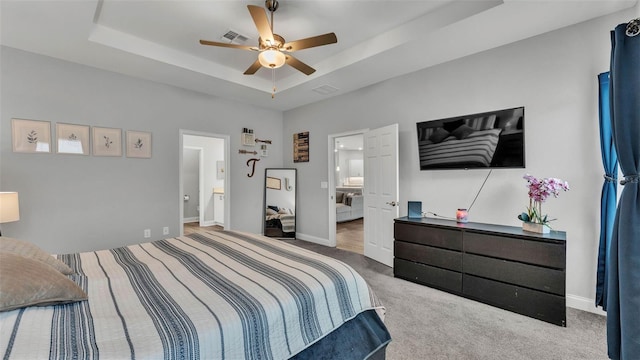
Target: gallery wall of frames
<point x="36" y="136"/>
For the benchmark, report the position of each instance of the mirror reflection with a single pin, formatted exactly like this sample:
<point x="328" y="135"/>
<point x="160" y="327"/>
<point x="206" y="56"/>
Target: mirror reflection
<point x="280" y="203"/>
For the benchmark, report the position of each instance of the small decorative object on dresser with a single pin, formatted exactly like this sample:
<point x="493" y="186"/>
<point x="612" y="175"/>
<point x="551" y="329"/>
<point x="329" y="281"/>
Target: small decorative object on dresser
<point x="462" y="216"/>
<point x="414" y="209"/>
<point x="539" y="191"/>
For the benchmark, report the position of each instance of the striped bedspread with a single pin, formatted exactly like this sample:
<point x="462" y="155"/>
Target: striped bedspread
<point x="217" y="295"/>
<point x="476" y="150"/>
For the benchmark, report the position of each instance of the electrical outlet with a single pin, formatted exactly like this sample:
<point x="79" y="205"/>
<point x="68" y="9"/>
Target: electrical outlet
<point x="165" y="230"/>
<point x="147" y="233"/>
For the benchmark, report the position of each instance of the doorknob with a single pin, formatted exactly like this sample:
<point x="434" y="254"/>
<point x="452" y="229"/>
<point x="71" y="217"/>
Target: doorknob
<point x="392" y="203"/>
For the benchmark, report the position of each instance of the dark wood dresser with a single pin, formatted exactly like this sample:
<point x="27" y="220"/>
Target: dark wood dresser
<point x="498" y="265"/>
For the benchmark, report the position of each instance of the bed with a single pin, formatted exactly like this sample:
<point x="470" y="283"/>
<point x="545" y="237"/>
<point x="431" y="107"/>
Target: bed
<point x="209" y="295"/>
<point x="474" y="150"/>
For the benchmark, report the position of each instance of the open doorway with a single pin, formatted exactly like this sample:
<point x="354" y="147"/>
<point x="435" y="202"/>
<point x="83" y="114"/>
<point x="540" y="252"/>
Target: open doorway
<point x="204" y="182"/>
<point x="378" y="186"/>
<point x="348" y="159"/>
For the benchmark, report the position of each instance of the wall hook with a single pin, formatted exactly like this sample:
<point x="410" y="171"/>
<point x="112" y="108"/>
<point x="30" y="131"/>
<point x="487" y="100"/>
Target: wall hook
<point x="252" y="163"/>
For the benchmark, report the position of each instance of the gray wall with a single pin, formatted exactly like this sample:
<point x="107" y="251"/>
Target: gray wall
<point x="78" y="203"/>
<point x="552" y="75"/>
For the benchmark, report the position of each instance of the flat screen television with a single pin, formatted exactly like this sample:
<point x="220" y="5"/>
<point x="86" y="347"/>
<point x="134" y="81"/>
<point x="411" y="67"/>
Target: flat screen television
<point x="493" y="139"/>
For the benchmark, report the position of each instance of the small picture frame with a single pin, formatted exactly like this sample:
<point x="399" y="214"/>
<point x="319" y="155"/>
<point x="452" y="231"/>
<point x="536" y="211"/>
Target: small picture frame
<point x="72" y="139"/>
<point x="106" y="141"/>
<point x="31" y="136"/>
<point x="248" y="139"/>
<point x="274" y="183"/>
<point x="138" y="144"/>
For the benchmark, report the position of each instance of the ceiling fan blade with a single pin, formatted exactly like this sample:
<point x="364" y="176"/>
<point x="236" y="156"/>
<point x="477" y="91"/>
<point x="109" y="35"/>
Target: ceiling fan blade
<point x="253" y="68"/>
<point x="259" y="16"/>
<point x="299" y="65"/>
<point x="235" y="46"/>
<point x="313" y="41"/>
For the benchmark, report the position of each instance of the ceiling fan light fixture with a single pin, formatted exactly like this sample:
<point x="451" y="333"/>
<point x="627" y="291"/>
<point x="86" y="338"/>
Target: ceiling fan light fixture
<point x="271" y="58"/>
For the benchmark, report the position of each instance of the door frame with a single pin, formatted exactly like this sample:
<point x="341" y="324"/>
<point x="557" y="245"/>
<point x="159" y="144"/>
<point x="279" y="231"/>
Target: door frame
<point x="227" y="176"/>
<point x="331" y="182"/>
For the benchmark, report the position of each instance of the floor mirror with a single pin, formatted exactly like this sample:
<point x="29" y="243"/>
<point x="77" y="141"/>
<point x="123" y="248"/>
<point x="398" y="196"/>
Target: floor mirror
<point x="280" y="203"/>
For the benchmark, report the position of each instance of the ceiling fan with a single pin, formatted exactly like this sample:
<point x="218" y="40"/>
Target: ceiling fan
<point x="274" y="50"/>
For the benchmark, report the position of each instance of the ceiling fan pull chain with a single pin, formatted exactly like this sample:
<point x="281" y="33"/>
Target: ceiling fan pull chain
<point x="273" y="80"/>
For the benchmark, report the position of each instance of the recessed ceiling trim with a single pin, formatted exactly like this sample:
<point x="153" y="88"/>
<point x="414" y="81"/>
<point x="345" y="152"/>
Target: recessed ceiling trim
<point x="125" y="42"/>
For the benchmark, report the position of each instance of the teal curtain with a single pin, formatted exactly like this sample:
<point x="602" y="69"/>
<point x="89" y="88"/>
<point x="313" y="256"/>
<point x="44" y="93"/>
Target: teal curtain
<point x="609" y="194"/>
<point x="623" y="263"/>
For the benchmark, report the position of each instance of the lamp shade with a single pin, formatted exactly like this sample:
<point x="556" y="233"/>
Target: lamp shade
<point x="9" y="207"/>
<point x="271" y="59"/>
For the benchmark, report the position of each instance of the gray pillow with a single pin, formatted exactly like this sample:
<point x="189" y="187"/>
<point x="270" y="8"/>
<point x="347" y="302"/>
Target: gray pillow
<point x="339" y="196"/>
<point x="28" y="282"/>
<point x="438" y="135"/>
<point x="348" y="198"/>
<point x="27" y="249"/>
<point x="462" y="132"/>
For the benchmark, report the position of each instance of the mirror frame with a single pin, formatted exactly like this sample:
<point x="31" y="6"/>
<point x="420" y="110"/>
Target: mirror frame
<point x="270" y="181"/>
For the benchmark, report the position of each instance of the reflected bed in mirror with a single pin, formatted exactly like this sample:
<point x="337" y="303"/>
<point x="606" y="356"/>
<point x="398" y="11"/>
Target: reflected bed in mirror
<point x="280" y="203"/>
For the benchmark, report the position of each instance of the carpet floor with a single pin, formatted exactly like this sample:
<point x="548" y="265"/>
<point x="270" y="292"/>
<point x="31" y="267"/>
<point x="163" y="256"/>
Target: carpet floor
<point x="430" y="324"/>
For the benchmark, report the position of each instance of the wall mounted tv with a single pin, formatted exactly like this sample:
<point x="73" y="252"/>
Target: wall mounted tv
<point x="492" y="139"/>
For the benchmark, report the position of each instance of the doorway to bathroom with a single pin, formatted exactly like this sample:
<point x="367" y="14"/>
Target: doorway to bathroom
<point x="204" y="185"/>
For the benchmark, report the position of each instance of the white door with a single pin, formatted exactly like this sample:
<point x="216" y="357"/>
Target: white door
<point x="380" y="192"/>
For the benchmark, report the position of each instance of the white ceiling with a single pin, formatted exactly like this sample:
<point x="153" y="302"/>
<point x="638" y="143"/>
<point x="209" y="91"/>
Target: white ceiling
<point x="158" y="39"/>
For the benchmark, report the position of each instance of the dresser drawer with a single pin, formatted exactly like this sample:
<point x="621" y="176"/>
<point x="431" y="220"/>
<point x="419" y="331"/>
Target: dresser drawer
<point x="447" y="280"/>
<point x="535" y="277"/>
<point x="529" y="251"/>
<point x="427" y="235"/>
<point x="536" y="304"/>
<point x="446" y="259"/>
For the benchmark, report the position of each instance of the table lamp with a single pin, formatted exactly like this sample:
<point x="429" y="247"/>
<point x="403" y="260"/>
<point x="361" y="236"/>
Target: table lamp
<point x="9" y="207"/>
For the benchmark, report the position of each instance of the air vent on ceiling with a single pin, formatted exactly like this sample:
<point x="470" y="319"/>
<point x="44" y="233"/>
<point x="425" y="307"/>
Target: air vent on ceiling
<point x="234" y="37"/>
<point x="325" y="89"/>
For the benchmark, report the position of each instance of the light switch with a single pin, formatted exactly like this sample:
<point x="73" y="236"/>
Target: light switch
<point x="323" y="185"/>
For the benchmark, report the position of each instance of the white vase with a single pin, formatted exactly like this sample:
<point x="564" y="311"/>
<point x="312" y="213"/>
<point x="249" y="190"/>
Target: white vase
<point x="535" y="228"/>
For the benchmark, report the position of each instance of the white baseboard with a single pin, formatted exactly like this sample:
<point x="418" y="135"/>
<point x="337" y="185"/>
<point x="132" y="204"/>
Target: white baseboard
<point x="313" y="239"/>
<point x="208" y="223"/>
<point x="584" y="304"/>
<point x="190" y="220"/>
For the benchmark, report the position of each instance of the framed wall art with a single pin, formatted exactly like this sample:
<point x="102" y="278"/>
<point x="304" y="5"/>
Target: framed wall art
<point x="274" y="183"/>
<point x="138" y="144"/>
<point x="106" y="141"/>
<point x="72" y="139"/>
<point x="301" y="147"/>
<point x="31" y="136"/>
